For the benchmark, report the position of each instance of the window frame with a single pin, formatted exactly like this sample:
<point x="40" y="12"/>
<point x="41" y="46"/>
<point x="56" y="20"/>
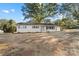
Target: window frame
<point x="50" y="27"/>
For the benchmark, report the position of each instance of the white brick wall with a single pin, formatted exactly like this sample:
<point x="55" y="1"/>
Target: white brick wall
<point x="29" y="28"/>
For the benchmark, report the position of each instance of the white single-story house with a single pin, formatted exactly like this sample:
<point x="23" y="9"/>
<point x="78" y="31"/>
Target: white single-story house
<point x="23" y="27"/>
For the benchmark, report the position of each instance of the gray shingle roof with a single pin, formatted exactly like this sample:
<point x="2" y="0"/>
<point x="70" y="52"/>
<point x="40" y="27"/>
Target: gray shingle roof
<point x="22" y="23"/>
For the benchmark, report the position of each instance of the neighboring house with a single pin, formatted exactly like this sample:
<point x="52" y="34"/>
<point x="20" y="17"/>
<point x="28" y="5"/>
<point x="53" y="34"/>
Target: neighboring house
<point x="23" y="27"/>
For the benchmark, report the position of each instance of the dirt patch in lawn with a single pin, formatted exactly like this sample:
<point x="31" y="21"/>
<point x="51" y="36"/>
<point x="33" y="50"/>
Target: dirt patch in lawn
<point x="40" y="44"/>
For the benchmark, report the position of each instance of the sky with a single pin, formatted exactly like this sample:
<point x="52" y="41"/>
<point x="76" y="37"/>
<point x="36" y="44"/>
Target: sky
<point x="13" y="11"/>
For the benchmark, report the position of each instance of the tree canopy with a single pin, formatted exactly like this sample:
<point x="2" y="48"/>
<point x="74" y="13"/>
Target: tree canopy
<point x="8" y="25"/>
<point x="71" y="10"/>
<point x="38" y="12"/>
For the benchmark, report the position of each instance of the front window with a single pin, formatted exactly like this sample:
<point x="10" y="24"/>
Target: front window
<point x="50" y="27"/>
<point x="24" y="26"/>
<point x="35" y="26"/>
<point x="19" y="26"/>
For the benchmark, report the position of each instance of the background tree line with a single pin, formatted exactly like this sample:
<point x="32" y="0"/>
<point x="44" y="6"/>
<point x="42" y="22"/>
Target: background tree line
<point x="39" y="12"/>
